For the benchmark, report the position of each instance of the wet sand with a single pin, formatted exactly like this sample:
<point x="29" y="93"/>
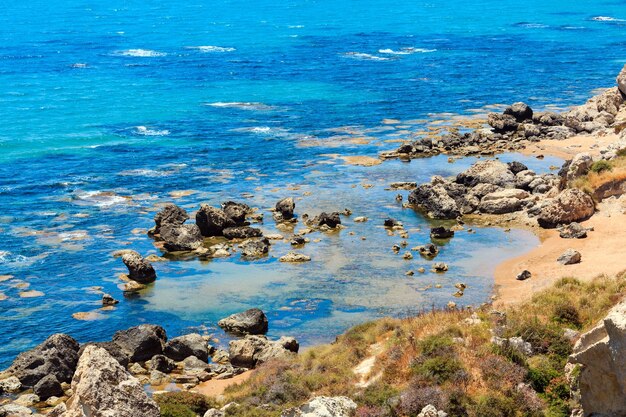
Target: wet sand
<point x="216" y="387"/>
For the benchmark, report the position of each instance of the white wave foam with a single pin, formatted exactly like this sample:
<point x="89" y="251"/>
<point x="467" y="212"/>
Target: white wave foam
<point x="295" y="26"/>
<point x="101" y="198"/>
<point x="79" y="65"/>
<point x="406" y="51"/>
<point x="141" y="53"/>
<point x="607" y="19"/>
<point x="145" y="173"/>
<point x="14" y="261"/>
<point x="364" y="57"/>
<point x="144" y="131"/>
<point x="533" y="25"/>
<point x="242" y="105"/>
<point x="211" y="48"/>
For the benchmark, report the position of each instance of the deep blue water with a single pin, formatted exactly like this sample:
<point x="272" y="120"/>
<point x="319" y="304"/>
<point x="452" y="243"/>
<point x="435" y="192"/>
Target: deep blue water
<point x="140" y="100"/>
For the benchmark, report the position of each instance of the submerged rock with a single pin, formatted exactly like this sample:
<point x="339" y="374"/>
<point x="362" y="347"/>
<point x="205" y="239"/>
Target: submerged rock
<point x="139" y="269"/>
<point x="323" y="407"/>
<point x="571" y="205"/>
<point x="102" y="388"/>
<point x="428" y="250"/>
<point x="441" y="233"/>
<point x="171" y="214"/>
<point x="254" y="350"/>
<point x="255" y="248"/>
<point x="600" y="352"/>
<point x="56" y="356"/>
<point x="569" y="257"/>
<point x="252" y="321"/>
<point x="242" y="232"/>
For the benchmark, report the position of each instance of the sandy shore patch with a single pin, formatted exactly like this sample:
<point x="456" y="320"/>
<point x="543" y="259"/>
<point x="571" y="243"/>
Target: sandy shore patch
<point x="216" y="387"/>
<point x="366" y="161"/>
<point x="569" y="147"/>
<point x="603" y="252"/>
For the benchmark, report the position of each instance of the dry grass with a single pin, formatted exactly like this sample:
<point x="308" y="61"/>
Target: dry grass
<point x="595" y="180"/>
<point x="438" y="357"/>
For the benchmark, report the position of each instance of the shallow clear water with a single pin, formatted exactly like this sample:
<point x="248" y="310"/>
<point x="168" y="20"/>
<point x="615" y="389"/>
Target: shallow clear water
<point x="142" y="100"/>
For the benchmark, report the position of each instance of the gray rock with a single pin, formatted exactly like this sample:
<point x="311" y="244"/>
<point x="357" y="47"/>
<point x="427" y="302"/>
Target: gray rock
<point x="600" y="352"/>
<point x="579" y="166"/>
<point x="502" y="123"/>
<point x="253" y="350"/>
<point x="252" y="321"/>
<point x="571" y="205"/>
<point x="142" y="342"/>
<point x="102" y="388"/>
<point x="621" y="81"/>
<point x="139" y="269"/>
<point x="14" y="410"/>
<point x="115" y="350"/>
<point x="441" y="232"/>
<point x="520" y="111"/>
<point x="212" y="221"/>
<point x="435" y="201"/>
<point x="323" y="407"/>
<point x="431" y="411"/>
<point x="524" y="275"/>
<point x="10" y="385"/>
<point x="569" y="257"/>
<point x="573" y="230"/>
<point x="236" y="212"/>
<point x="192" y="363"/>
<point x="331" y="220"/>
<point x="428" y="250"/>
<point x="48" y="386"/>
<point x="162" y="364"/>
<point x="56" y="356"/>
<point x="504" y="201"/>
<point x="184" y="238"/>
<point x="487" y="172"/>
<point x="108" y="300"/>
<point x="181" y="347"/>
<point x="285" y="208"/>
<point x="171" y="214"/>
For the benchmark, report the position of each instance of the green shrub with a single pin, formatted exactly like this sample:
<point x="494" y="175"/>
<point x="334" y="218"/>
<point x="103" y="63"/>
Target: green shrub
<point x="567" y="314"/>
<point x="377" y="394"/>
<point x="436" y="345"/>
<point x="439" y="368"/>
<point x="180" y="403"/>
<point x="250" y="411"/>
<point x="176" y="410"/>
<point x="500" y="374"/>
<point x="601" y="166"/>
<point x="540" y="372"/>
<point x="493" y="405"/>
<point x="622" y="152"/>
<point x="545" y="338"/>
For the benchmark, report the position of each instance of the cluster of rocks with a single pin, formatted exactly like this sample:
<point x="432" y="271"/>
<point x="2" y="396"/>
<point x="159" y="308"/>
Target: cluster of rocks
<point x="517" y="126"/>
<point x="63" y="378"/>
<point x="494" y="187"/>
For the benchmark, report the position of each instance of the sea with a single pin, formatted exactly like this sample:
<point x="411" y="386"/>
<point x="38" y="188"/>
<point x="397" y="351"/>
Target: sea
<point x="110" y="109"/>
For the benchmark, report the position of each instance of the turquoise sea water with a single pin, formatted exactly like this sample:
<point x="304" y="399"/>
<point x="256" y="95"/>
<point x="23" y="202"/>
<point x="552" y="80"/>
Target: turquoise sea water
<point x="237" y="99"/>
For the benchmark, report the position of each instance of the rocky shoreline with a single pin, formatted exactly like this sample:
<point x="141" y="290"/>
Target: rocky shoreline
<point x="60" y="377"/>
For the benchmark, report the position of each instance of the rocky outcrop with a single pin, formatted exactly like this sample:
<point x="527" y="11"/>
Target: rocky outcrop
<point x="252" y="321"/>
<point x="236" y="212"/>
<point x="115" y="350"/>
<point x="212" y="221"/>
<point x="171" y="214"/>
<point x="502" y="123"/>
<point x="182" y="347"/>
<point x="162" y="363"/>
<point x="284" y="209"/>
<point x="579" y="166"/>
<point x="487" y="172"/>
<point x="520" y="111"/>
<point x="571" y="205"/>
<point x="435" y="201"/>
<point x="441" y="232"/>
<point x="56" y="356"/>
<point x="254" y="350"/>
<point x="142" y="342"/>
<point x="139" y="269"/>
<point x="102" y="388"/>
<point x="503" y="201"/>
<point x="600" y="353"/>
<point x="621" y="81"/>
<point x="323" y="407"/>
<point x="183" y="238"/>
